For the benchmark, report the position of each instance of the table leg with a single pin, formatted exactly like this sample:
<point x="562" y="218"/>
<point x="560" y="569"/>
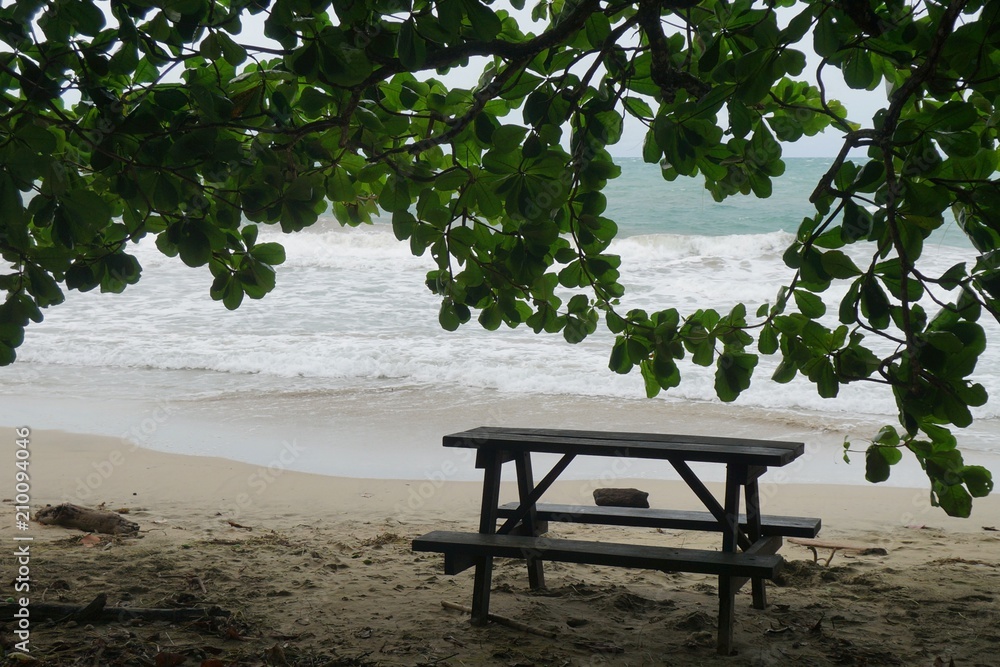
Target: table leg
<point x="754" y="533"/>
<point x="487" y="525"/>
<point x="525" y="485"/>
<point x="735" y="476"/>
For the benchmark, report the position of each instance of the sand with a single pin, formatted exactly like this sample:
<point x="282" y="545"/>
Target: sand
<point x="318" y="570"/>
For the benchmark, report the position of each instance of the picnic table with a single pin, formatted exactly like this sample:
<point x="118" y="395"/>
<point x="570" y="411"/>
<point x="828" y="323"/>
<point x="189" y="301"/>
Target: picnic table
<point x="749" y="544"/>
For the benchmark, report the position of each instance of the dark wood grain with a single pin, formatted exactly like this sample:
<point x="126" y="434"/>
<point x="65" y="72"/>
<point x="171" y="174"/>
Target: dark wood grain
<point x="632" y="445"/>
<point x="669" y="559"/>
<point x="789" y="526"/>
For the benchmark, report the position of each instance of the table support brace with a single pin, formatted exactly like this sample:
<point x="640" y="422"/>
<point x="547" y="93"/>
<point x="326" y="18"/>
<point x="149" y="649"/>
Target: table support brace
<point x="709" y="500"/>
<point x="528" y="503"/>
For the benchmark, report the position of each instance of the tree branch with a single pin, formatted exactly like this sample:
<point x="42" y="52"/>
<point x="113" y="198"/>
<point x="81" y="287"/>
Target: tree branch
<point x="670" y="79"/>
<point x="852" y="140"/>
<point x="450" y="55"/>
<point x="917" y="78"/>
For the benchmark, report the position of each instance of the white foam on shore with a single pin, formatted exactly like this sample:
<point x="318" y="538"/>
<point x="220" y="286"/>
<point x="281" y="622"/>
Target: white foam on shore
<point x="351" y="307"/>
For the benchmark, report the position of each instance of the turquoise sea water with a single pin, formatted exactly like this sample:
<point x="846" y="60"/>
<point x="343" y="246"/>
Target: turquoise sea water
<point x="643" y="203"/>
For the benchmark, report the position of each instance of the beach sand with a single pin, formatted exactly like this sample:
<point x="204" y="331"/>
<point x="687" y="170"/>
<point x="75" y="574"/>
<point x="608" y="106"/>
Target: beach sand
<point x="318" y="570"/>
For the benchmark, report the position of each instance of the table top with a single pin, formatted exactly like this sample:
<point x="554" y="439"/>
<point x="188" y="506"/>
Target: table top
<point x="661" y="446"/>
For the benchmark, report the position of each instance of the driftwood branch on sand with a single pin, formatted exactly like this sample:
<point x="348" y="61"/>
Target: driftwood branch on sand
<point x="97" y="611"/>
<point x="84" y="518"/>
<point x="503" y="620"/>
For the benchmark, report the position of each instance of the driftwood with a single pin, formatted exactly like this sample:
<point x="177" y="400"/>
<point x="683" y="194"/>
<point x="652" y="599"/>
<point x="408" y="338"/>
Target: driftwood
<point x="834" y="546"/>
<point x="503" y="620"/>
<point x="96" y="611"/>
<point x="621" y="497"/>
<point x="84" y="518"/>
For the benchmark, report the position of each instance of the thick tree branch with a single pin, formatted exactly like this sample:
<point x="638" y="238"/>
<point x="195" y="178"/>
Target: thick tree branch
<point x="669" y="78"/>
<point x="449" y="56"/>
<point x="480" y="98"/>
<point x="917" y="79"/>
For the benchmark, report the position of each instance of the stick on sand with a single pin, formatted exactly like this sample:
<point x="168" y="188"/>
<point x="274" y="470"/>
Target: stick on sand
<point x="502" y="620"/>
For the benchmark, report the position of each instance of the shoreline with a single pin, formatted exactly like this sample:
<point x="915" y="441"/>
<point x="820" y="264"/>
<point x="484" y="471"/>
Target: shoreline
<point x="396" y="434"/>
<point x="88" y="469"/>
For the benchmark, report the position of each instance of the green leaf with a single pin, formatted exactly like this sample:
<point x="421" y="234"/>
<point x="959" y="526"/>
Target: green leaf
<point x="233" y="53"/>
<point x="649" y="379"/>
<point x="572" y="275"/>
<point x="43" y="286"/>
<point x="952" y="498"/>
<point x="887" y="436"/>
<point x="839" y="265"/>
<point x="978" y="480"/>
<point x="450" y="315"/>
<point x="638" y="107"/>
<point x="491" y="318"/>
<point x="822" y="372"/>
<point x="508" y="137"/>
<point x="227" y="288"/>
<point x="269" y="253"/>
<point x="597" y="29"/>
<point x="485" y="24"/>
<point x="411" y="47"/>
<point x="369" y="119"/>
<point x="767" y="343"/>
<point x="733" y="374"/>
<point x="395" y="195"/>
<point x="87" y="18"/>
<point x="576" y="329"/>
<point x="857" y="223"/>
<point x="305" y="60"/>
<point x="954" y="117"/>
<point x="809" y="304"/>
<point x="11" y="204"/>
<point x="878" y="460"/>
<point x="874" y="303"/>
<point x="859" y="72"/>
<point x="193" y="246"/>
<point x="485" y="125"/>
<point x="620" y="362"/>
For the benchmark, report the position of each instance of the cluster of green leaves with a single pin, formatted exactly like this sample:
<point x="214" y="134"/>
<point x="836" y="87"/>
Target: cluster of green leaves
<point x="162" y="117"/>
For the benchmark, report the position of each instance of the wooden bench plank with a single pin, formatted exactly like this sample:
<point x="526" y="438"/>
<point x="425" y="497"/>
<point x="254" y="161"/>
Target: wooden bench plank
<point x="635" y="445"/>
<point x="460" y="545"/>
<point x="788" y="526"/>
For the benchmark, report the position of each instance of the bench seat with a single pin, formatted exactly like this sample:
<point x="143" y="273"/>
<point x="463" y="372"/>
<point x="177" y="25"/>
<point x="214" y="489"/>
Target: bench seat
<point x="788" y="526"/>
<point x="459" y="547"/>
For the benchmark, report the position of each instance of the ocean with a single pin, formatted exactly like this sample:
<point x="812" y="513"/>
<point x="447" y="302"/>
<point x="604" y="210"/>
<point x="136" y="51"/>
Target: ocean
<point x="345" y="361"/>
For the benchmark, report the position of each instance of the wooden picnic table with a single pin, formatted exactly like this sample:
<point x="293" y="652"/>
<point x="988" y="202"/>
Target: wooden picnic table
<point x="749" y="541"/>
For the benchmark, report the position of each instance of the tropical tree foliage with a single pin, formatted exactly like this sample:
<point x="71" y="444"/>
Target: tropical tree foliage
<point x="130" y="118"/>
